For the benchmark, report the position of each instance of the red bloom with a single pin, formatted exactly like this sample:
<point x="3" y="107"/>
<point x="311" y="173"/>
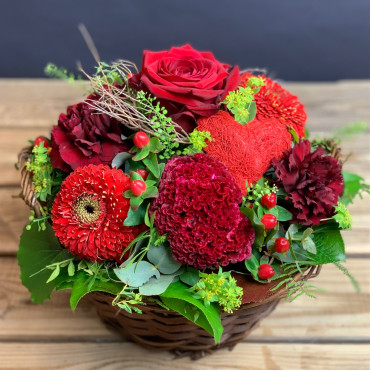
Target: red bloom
<point x="275" y="103"/>
<point x="245" y="150"/>
<point x="188" y="82"/>
<point x="313" y="181"/>
<point x="198" y="208"/>
<point x="89" y="211"/>
<point x="84" y="137"/>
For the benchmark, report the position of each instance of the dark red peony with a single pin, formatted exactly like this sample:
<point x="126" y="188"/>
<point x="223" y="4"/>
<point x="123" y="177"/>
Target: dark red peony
<point x="89" y="211"/>
<point x="275" y="103"/>
<point x="198" y="208"/>
<point x="189" y="83"/>
<point x="313" y="182"/>
<point x="84" y="137"/>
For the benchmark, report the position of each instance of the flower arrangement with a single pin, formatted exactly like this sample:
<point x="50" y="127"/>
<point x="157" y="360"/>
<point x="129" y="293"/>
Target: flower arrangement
<point x="188" y="185"/>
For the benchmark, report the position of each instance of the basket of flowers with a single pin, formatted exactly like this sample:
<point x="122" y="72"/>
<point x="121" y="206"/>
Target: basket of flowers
<point x="183" y="200"/>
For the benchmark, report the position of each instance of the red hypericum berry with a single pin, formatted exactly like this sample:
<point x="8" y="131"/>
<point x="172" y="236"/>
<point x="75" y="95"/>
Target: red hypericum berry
<point x="281" y="245"/>
<point x="40" y="140"/>
<point x="144" y="174"/>
<point x="266" y="271"/>
<point x="141" y="139"/>
<point x="269" y="221"/>
<point x="138" y="187"/>
<point x="269" y="200"/>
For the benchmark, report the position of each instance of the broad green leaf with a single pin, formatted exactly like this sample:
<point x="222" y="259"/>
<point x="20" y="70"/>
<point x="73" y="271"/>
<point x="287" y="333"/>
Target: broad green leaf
<point x="135" y="218"/>
<point x="177" y="297"/>
<point x="161" y="257"/>
<point x="155" y="145"/>
<point x="137" y="274"/>
<point x="330" y="247"/>
<point x="151" y="164"/>
<point x="141" y="154"/>
<point x="38" y="249"/>
<point x="283" y="214"/>
<point x="81" y="287"/>
<point x="190" y="277"/>
<point x="135" y="203"/>
<point x="156" y="286"/>
<point x="352" y="185"/>
<point x="151" y="192"/>
<point x="258" y="227"/>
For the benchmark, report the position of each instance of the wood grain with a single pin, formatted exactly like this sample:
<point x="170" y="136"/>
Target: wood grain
<point x="341" y="314"/>
<point x="84" y="356"/>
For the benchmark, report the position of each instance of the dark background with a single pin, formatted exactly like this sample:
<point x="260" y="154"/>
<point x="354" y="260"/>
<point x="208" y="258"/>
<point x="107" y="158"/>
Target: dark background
<point x="295" y="39"/>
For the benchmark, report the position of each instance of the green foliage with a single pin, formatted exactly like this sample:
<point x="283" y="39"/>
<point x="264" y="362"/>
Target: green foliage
<point x="257" y="191"/>
<point x="37" y="252"/>
<point x="42" y="171"/>
<point x="221" y="288"/>
<point x="190" y="276"/>
<point x="296" y="288"/>
<point x="198" y="142"/>
<point x="353" y="185"/>
<point x="342" y="216"/>
<point x="241" y="102"/>
<point x="178" y="298"/>
<point x="258" y="226"/>
<point x="161" y="124"/>
<point x="51" y="70"/>
<point x="109" y="74"/>
<point x="161" y="257"/>
<point x="39" y="221"/>
<point x="128" y="300"/>
<point x="137" y="273"/>
<point x="348" y="274"/>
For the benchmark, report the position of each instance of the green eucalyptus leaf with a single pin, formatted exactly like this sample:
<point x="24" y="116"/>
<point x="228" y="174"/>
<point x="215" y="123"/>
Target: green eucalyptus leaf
<point x="307" y="233"/>
<point x="137" y="274"/>
<point x="161" y="257"/>
<point x="120" y="159"/>
<point x="156" y="286"/>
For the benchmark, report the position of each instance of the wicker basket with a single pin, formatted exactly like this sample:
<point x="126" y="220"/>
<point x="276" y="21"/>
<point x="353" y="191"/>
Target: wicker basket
<point x="158" y="328"/>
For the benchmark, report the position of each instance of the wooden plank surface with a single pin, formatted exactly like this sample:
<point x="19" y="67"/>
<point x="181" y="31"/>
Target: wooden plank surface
<point x="328" y="333"/>
<point x="82" y="356"/>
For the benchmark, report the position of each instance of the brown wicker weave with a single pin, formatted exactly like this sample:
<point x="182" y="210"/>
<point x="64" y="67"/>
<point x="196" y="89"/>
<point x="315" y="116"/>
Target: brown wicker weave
<point x="158" y="328"/>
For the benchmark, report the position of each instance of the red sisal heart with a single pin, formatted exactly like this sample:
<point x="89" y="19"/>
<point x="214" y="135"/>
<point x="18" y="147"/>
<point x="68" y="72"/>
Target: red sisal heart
<point x="245" y="150"/>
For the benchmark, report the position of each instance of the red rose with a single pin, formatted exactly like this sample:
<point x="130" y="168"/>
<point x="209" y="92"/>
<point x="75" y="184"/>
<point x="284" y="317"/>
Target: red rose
<point x="84" y="136"/>
<point x="189" y="83"/>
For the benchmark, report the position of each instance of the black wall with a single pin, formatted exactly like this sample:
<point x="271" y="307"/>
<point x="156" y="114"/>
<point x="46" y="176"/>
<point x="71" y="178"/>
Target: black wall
<point x="294" y="39"/>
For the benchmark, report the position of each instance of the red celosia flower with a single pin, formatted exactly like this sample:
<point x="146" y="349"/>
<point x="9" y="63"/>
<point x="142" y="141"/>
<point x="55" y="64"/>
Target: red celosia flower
<point x="83" y="136"/>
<point x="89" y="211"/>
<point x="275" y="103"/>
<point x="198" y="208"/>
<point x="313" y="181"/>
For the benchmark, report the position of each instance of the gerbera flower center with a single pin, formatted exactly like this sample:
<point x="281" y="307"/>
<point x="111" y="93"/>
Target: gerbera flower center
<point x="87" y="208"/>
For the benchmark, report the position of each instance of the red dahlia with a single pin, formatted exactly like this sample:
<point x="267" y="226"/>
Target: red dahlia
<point x="275" y="103"/>
<point x="313" y="181"/>
<point x="198" y="208"/>
<point x="89" y="211"/>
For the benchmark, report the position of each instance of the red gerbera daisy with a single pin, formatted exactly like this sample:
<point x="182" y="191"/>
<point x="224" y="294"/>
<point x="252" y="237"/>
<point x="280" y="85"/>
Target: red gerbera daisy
<point x="89" y="211"/>
<point x="275" y="103"/>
